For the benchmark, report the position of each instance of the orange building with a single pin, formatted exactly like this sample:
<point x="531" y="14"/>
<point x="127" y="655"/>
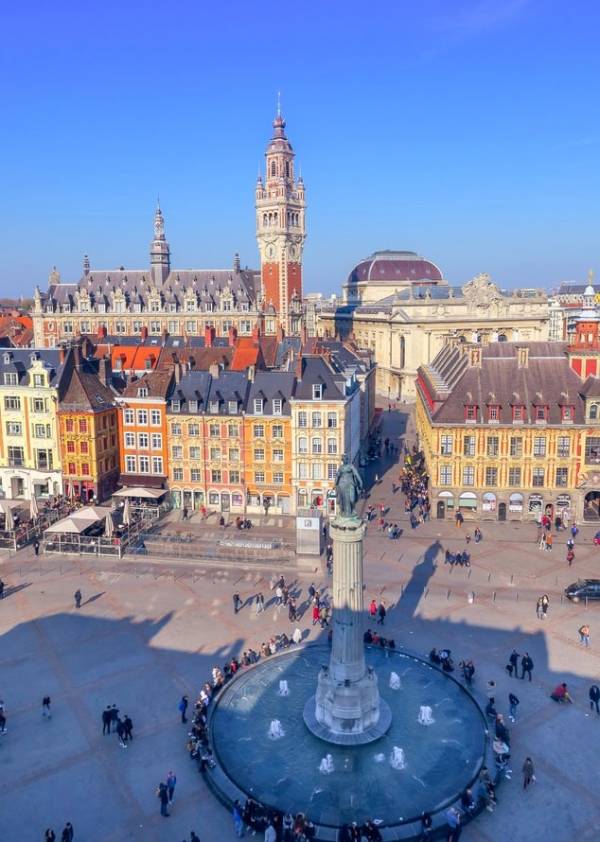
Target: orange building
<point x="143" y="428"/>
<point x="268" y="443"/>
<point x="87" y="424"/>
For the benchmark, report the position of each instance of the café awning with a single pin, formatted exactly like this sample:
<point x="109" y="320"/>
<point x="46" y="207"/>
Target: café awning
<point x="143" y="493"/>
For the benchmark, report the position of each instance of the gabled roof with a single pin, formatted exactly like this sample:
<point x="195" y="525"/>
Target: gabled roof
<point x="271" y="385"/>
<point x="316" y="370"/>
<point x="158" y="384"/>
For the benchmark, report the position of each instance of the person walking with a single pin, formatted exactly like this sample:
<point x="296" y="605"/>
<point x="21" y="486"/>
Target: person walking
<point x="163" y="796"/>
<point x="270" y="833"/>
<point x="526" y="666"/>
<point x="1" y="589"/>
<point x="512" y="707"/>
<point x="545" y="605"/>
<point x="183" y="706"/>
<point x="549" y="541"/>
<point x="128" y="726"/>
<point x="594" y="698"/>
<point x="238" y="821"/>
<point x="512" y="667"/>
<point x="260" y="603"/>
<point x="237" y="602"/>
<point x="114" y="716"/>
<point x="584" y="635"/>
<point x="316" y="613"/>
<point x="193" y="837"/>
<point x="49" y="835"/>
<point x="381" y="612"/>
<point x="106" y="720"/>
<point x="121" y="733"/>
<point x="528" y="772"/>
<point x="372" y="609"/>
<point x="36" y="547"/>
<point x="68" y="833"/>
<point x="171" y="782"/>
<point x="2" y="719"/>
<point x="77" y="597"/>
<point x="46" y="707"/>
<point x="538" y="609"/>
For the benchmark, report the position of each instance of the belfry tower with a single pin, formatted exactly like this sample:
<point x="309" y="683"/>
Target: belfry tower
<point x="280" y="229"/>
<point x="160" y="254"/>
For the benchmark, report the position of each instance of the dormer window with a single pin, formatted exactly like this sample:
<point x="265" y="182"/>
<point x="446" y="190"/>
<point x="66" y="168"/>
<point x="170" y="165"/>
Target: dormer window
<point x="232" y="407"/>
<point x="594" y="412"/>
<point x="567" y="414"/>
<point x="142" y="392"/>
<point x="38" y="380"/>
<point x="193" y="406"/>
<point x="277" y="406"/>
<point x="176" y="406"/>
<point x="10" y="378"/>
<point x="493" y="413"/>
<point x="258" y="406"/>
<point x="541" y="414"/>
<point x="518" y="413"/>
<point x="213" y="406"/>
<point x="6" y="358"/>
<point x="471" y="412"/>
<point x="317" y="391"/>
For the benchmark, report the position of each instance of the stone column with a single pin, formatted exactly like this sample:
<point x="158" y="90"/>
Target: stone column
<point x="346" y="708"/>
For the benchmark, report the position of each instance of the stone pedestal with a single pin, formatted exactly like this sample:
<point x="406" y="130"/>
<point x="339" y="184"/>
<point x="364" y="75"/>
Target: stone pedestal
<point x="346" y="708"/>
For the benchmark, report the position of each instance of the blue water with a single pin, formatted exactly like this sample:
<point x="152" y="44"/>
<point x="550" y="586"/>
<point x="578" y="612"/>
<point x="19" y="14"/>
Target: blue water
<point x="441" y="759"/>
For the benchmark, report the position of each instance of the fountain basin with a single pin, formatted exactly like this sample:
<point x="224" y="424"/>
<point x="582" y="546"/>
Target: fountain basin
<point x="439" y="762"/>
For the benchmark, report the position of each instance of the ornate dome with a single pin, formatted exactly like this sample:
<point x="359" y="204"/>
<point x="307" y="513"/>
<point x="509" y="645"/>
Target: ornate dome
<point x="395" y="267"/>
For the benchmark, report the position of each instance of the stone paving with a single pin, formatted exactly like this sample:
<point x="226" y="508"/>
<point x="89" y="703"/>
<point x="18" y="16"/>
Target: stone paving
<point x="149" y="631"/>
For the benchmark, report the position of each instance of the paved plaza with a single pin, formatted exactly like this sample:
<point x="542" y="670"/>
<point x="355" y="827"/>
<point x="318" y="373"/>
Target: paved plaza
<point x="149" y="631"/>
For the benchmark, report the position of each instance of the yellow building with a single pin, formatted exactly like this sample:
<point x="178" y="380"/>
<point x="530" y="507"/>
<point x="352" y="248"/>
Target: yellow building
<point x="508" y="431"/>
<point x="30" y="463"/>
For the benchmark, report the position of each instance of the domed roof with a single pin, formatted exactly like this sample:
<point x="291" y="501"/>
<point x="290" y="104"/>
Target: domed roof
<point x="395" y="267"/>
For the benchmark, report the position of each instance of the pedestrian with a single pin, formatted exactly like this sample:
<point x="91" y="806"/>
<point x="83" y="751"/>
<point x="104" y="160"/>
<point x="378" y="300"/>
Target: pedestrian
<point x="260" y="603"/>
<point x="513" y="664"/>
<point x="114" y="716"/>
<point x="36" y="547"/>
<point x="512" y="707"/>
<point x="128" y="726"/>
<point x="106" y="720"/>
<point x="526" y="666"/>
<point x="49" y="835"/>
<point x="574" y="531"/>
<point x="538" y="609"/>
<point x="68" y="833"/>
<point x="2" y="719"/>
<point x="238" y="821"/>
<point x="561" y="694"/>
<point x="171" y="781"/>
<point x="292" y="610"/>
<point x="121" y="733"/>
<point x="184" y="513"/>
<point x="270" y="833"/>
<point x="311" y="591"/>
<point x="297" y="636"/>
<point x="237" y="602"/>
<point x="315" y="613"/>
<point x="452" y="817"/>
<point x="77" y="598"/>
<point x="426" y="826"/>
<point x="46" y="707"/>
<point x="528" y="772"/>
<point x="183" y="706"/>
<point x="570" y="557"/>
<point x="584" y="635"/>
<point x="1" y="589"/>
<point x="373" y="609"/>
<point x="278" y="595"/>
<point x="545" y="605"/>
<point x="194" y="838"/>
<point x="549" y="541"/>
<point x="381" y="612"/>
<point x="595" y="698"/>
<point x="163" y="795"/>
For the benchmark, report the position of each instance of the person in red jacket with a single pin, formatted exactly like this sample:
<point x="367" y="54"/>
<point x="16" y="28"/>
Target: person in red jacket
<point x="373" y="609"/>
<point x="561" y="694"/>
<point x="315" y="613"/>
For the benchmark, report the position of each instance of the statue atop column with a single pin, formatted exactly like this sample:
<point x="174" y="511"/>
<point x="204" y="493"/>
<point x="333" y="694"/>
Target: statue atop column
<point x="349" y="487"/>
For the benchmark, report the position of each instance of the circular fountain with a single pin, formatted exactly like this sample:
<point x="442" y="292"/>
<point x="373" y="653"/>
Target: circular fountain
<point x="356" y="749"/>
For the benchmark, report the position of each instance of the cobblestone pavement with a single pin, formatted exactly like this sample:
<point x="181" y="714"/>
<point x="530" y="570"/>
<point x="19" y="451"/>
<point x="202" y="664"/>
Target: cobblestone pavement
<point x="149" y="631"/>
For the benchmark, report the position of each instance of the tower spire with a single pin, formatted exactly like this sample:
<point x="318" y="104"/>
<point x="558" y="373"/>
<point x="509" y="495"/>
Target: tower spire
<point x="160" y="254"/>
<point x="279" y="103"/>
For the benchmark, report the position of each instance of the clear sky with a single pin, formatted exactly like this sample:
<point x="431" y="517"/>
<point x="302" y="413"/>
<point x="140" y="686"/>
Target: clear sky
<point x="466" y="130"/>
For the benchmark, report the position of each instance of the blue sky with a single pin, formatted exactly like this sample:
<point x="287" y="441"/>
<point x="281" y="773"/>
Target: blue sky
<point x="466" y="130"/>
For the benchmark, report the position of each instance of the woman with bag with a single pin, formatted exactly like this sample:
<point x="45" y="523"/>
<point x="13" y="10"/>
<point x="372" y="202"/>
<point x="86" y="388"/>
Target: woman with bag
<point x="528" y="772"/>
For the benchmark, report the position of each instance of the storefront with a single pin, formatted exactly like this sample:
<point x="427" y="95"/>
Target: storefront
<point x="489" y="502"/>
<point x="445" y="504"/>
<point x="467" y="503"/>
<point x="535" y="505"/>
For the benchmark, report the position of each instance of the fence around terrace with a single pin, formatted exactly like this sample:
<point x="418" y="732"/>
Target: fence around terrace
<point x="26" y="533"/>
<point x="69" y="543"/>
<point x="193" y="548"/>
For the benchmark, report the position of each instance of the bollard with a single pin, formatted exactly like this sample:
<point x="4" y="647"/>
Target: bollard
<point x="494" y="597"/>
<point x="489" y="577"/>
<point x="448" y="593"/>
<point x="469" y="573"/>
<point x="425" y="592"/>
<point x="512" y="579"/>
<point x="517" y="596"/>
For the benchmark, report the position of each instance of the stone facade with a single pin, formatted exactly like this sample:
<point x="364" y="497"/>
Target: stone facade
<point x="409" y="325"/>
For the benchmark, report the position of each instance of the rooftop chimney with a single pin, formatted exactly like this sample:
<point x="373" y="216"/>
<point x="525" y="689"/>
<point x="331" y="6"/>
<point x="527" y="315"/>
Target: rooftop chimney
<point x="105" y="371"/>
<point x="214" y="370"/>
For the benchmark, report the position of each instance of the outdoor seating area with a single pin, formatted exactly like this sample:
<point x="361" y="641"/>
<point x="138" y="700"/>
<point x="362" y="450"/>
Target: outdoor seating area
<point x="94" y="530"/>
<point x="22" y="521"/>
<point x="148" y="503"/>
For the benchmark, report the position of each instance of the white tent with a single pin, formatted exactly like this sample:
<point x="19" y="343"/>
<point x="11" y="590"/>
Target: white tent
<point x="109" y="527"/>
<point x="91" y="514"/>
<point x="142" y="493"/>
<point x="69" y="524"/>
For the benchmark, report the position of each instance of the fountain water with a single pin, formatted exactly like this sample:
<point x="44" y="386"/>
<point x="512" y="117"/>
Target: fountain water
<point x="284" y="690"/>
<point x="326" y="766"/>
<point x="425" y="717"/>
<point x="276" y="731"/>
<point x="397" y="760"/>
<point x="395" y="682"/>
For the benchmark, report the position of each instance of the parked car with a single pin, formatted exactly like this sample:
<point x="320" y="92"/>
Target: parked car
<point x="583" y="589"/>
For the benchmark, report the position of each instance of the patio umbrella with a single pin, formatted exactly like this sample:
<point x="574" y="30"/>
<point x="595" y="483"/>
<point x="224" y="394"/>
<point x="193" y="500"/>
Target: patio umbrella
<point x="126" y="514"/>
<point x="33" y="508"/>
<point x="109" y="527"/>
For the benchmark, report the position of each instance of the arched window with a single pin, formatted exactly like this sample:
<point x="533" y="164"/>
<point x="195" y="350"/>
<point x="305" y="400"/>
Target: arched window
<point x="273" y="168"/>
<point x="593" y="411"/>
<point x="287" y="168"/>
<point x="265" y="220"/>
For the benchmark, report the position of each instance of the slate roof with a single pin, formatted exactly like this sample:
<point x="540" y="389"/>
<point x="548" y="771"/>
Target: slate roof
<point x="395" y="267"/>
<point x="19" y="360"/>
<point x="547" y="380"/>
<point x="269" y="385"/>
<point x="193" y="386"/>
<point x="156" y="382"/>
<point x="316" y="370"/>
<point x="80" y="388"/>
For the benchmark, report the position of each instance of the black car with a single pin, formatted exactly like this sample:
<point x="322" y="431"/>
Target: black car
<point x="583" y="589"/>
